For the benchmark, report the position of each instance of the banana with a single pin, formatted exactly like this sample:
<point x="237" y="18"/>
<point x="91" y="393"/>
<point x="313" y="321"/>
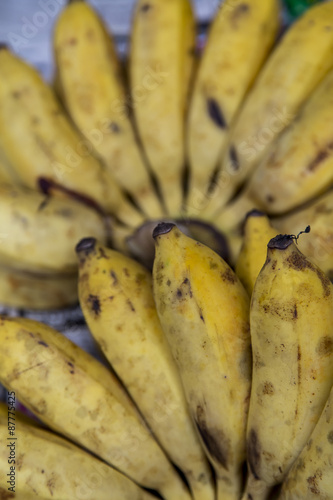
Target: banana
<point x="239" y="41"/>
<point x="29" y="222"/>
<point x="89" y="76"/>
<point x="160" y="70"/>
<point x="319" y="215"/>
<point x="44" y="148"/>
<point x="297" y="168"/>
<point x="128" y="323"/>
<point x="78" y="397"/>
<point x="203" y="309"/>
<point x="36" y="290"/>
<point x="311" y="476"/>
<point x="293" y="71"/>
<point x="292" y="337"/>
<point x="257" y="233"/>
<point x="47" y="466"/>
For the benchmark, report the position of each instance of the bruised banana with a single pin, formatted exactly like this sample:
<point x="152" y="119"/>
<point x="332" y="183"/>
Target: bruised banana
<point x="48" y="466"/>
<point x="292" y="72"/>
<point x="29" y="222"/>
<point x="239" y="41"/>
<point x="77" y="396"/>
<point x="161" y="60"/>
<point x="298" y="167"/>
<point x="126" y="322"/>
<point x="203" y="309"/>
<point x="292" y="343"/>
<point x="36" y="290"/>
<point x="311" y="476"/>
<point x="257" y="233"/>
<point x="44" y="148"/>
<point x="319" y="215"/>
<point x="89" y="77"/>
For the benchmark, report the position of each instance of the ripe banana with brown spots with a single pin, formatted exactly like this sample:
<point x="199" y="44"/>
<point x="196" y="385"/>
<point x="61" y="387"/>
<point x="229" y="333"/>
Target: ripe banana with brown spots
<point x="297" y="168"/>
<point x="128" y="323"/>
<point x="291" y="321"/>
<point x="44" y="149"/>
<point x="203" y="309"/>
<point x="91" y="86"/>
<point x="161" y="61"/>
<point x="48" y="466"/>
<point x="239" y="41"/>
<point x="257" y="233"/>
<point x="311" y="476"/>
<point x="78" y="397"/>
<point x="292" y="72"/>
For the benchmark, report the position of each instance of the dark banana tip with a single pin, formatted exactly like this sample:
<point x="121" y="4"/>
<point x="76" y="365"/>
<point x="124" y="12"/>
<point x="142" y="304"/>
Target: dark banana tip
<point x="73" y="1"/>
<point x="280" y="242"/>
<point x="163" y="228"/>
<point x="3" y="46"/>
<point x="44" y="185"/>
<point x="86" y="245"/>
<point x="254" y="213"/>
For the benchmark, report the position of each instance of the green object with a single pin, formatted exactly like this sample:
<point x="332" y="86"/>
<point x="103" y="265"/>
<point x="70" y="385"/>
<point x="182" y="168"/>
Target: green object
<point x="297" y="7"/>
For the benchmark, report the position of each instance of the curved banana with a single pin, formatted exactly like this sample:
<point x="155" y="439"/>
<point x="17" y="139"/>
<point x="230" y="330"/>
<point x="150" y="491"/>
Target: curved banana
<point x="89" y="77"/>
<point x="49" y="467"/>
<point x="292" y="337"/>
<point x="39" y="233"/>
<point x="42" y="145"/>
<point x="160" y="70"/>
<point x="203" y="309"/>
<point x="128" y="323"/>
<point x="239" y="41"/>
<point x="257" y="233"/>
<point x="292" y="72"/>
<point x="311" y="476"/>
<point x="319" y="215"/>
<point x="36" y="290"/>
<point x="297" y="168"/>
<point x="78" y="397"/>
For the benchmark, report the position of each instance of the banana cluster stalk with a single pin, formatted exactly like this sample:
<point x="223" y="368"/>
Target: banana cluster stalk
<point x="161" y="61"/>
<point x="204" y="310"/>
<point x="48" y="466"/>
<point x="297" y="168"/>
<point x="291" y="321"/>
<point x="293" y="71"/>
<point x="77" y="396"/>
<point x="42" y="146"/>
<point x="90" y="84"/>
<point x="127" y="322"/>
<point x="239" y="41"/>
<point x="311" y="476"/>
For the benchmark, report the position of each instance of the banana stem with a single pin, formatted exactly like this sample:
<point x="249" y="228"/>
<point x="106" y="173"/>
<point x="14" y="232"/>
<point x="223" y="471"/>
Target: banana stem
<point x="256" y="489"/>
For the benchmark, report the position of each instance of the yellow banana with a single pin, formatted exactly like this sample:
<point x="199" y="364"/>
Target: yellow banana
<point x="33" y="290"/>
<point x="89" y="75"/>
<point x="48" y="466"/>
<point x="239" y="41"/>
<point x="39" y="233"/>
<point x="297" y="168"/>
<point x="128" y="323"/>
<point x="292" y="72"/>
<point x="78" y="397"/>
<point x="204" y="310"/>
<point x="319" y="215"/>
<point x="257" y="233"/>
<point x="7" y="175"/>
<point x="292" y="337"/>
<point x="160" y="69"/>
<point x="311" y="476"/>
<point x="44" y="148"/>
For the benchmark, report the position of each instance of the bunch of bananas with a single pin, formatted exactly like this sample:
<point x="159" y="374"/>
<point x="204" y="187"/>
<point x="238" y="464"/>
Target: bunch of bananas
<point x="182" y="389"/>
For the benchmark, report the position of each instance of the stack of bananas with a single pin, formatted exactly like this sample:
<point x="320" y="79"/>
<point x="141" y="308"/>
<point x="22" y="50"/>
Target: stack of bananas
<point x="219" y="378"/>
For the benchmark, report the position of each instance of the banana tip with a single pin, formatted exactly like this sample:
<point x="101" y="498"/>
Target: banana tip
<point x="86" y="245"/>
<point x="163" y="228"/>
<point x="254" y="213"/>
<point x="3" y="46"/>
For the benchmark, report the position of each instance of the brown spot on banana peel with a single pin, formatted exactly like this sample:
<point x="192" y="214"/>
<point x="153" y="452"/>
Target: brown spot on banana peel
<point x="239" y="11"/>
<point x="325" y="346"/>
<point x="5" y="494"/>
<point x="94" y="304"/>
<point x="145" y="7"/>
<point x="215" y="440"/>
<point x="321" y="156"/>
<point x="313" y="482"/>
<point x="268" y="388"/>
<point x="114" y="278"/>
<point x="41" y="342"/>
<point x="330" y="437"/>
<point x="215" y="113"/>
<point x="254" y="453"/>
<point x="229" y="276"/>
<point x="234" y="158"/>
